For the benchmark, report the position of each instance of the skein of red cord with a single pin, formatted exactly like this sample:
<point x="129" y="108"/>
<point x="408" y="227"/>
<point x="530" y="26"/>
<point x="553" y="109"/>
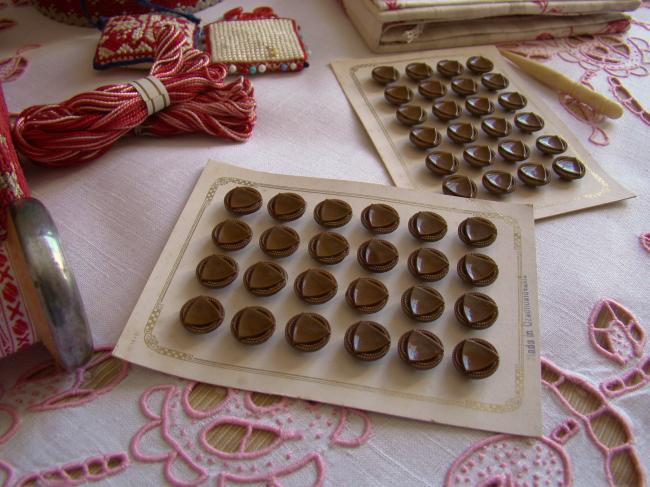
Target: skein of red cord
<point x="87" y="125"/>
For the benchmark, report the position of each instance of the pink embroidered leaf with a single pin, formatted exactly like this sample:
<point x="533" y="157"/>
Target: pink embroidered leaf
<point x="274" y="478"/>
<point x="264" y="403"/>
<point x="615" y="332"/>
<point x="508" y="460"/>
<point x="77" y="473"/>
<point x="346" y="425"/>
<point x="204" y="400"/>
<point x="245" y="438"/>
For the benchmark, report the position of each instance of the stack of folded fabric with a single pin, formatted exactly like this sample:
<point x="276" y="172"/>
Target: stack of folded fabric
<point x="410" y="25"/>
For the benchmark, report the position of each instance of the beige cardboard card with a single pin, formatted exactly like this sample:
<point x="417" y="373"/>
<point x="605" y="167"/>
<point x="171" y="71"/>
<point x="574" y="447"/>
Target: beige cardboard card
<point x="508" y="401"/>
<point x="405" y="163"/>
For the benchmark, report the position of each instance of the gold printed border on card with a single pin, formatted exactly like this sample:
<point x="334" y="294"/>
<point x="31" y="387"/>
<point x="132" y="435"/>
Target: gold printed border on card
<point x="511" y="404"/>
<point x="604" y="185"/>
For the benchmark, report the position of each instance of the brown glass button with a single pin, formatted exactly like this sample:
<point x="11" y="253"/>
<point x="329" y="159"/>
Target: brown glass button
<point x="279" y="241"/>
<point x="307" y="332"/>
<point x="476" y="310"/>
<point x="496" y="126"/>
<point x="427" y="226"/>
<point x="315" y="286"/>
<point x="367" y="340"/>
<point x="411" y="115"/>
<point x="479" y="155"/>
<point x="201" y="314"/>
<point x="264" y="278"/>
<point x="532" y="174"/>
<point x="422" y="303"/>
<point x="446" y="110"/>
<point x="462" y="133"/>
<point x="243" y="200"/>
<point x="385" y="74"/>
<point x="529" y="122"/>
<point x="494" y="81"/>
<point x="252" y="325"/>
<point x="232" y="235"/>
<point x="328" y="248"/>
<point x="216" y="271"/>
<point x="479" y="105"/>
<point x="380" y="218"/>
<point x="441" y="163"/>
<point x="513" y="150"/>
<point x="479" y="65"/>
<point x="477" y="269"/>
<point x="475" y="358"/>
<point x="419" y="71"/>
<point x="464" y="86"/>
<point x="458" y="185"/>
<point x="512" y="100"/>
<point x="420" y="349"/>
<point x="551" y="144"/>
<point x="366" y="295"/>
<point x="332" y="213"/>
<point x="569" y="168"/>
<point x="449" y="68"/>
<point x="398" y="95"/>
<point x="431" y="89"/>
<point x="286" y="206"/>
<point x="477" y="231"/>
<point x="428" y="264"/>
<point x="425" y="137"/>
<point x="498" y="182"/>
<point x="377" y="255"/>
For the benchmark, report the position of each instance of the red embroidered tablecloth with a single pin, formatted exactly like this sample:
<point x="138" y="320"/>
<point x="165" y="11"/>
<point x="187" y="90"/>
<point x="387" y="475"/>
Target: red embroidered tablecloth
<point x="130" y="426"/>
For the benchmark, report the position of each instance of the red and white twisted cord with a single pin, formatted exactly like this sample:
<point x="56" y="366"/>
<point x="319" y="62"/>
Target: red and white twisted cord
<point x="84" y="127"/>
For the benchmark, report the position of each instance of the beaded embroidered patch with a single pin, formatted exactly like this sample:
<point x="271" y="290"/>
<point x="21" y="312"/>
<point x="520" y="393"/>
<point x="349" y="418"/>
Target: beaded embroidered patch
<point x="128" y="40"/>
<point x="256" y="42"/>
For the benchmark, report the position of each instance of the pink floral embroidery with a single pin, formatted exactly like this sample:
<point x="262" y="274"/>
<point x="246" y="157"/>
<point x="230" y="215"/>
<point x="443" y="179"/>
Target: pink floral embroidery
<point x="585" y="114"/>
<point x="629" y="381"/>
<point x="76" y="473"/>
<point x="598" y="408"/>
<point x="645" y="241"/>
<point x="507" y="460"/>
<point x="616" y="56"/>
<point x="248" y="401"/>
<point x="200" y="414"/>
<point x="615" y="332"/>
<point x="242" y="453"/>
<point x="178" y="437"/>
<point x="621" y="93"/>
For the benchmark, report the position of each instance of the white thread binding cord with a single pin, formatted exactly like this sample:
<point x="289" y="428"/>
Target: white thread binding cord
<point x="153" y="92"/>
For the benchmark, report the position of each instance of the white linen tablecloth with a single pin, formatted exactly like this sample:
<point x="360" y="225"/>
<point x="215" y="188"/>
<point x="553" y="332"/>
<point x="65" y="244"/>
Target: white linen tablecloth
<point x="116" y="213"/>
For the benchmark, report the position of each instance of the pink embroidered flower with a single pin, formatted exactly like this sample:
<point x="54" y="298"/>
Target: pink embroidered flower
<point x="235" y="439"/>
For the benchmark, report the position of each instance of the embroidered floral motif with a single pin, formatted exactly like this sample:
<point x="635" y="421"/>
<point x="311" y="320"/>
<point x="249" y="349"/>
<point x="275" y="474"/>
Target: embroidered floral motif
<point x="507" y="460"/>
<point x="240" y="440"/>
<point x="129" y="39"/>
<point x="77" y="473"/>
<point x="629" y="381"/>
<point x="617" y="56"/>
<point x="615" y="332"/>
